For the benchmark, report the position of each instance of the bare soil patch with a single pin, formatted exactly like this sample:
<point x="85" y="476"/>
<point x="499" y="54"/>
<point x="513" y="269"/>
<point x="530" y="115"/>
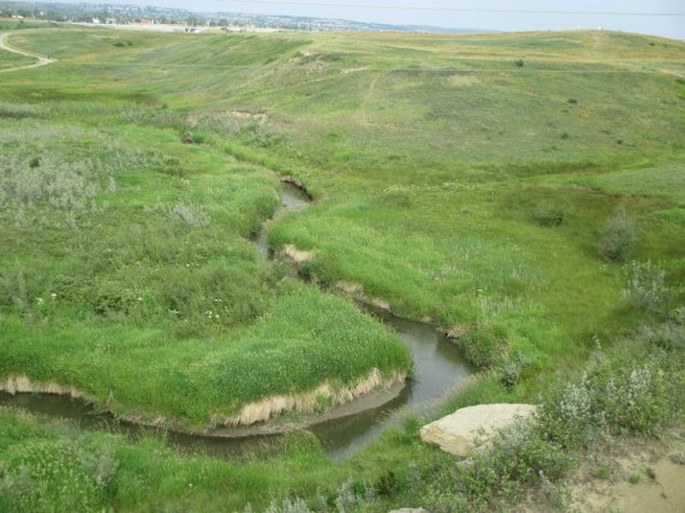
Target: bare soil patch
<point x="627" y="476"/>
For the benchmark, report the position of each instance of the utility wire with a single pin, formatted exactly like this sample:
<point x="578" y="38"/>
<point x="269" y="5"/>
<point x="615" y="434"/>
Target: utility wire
<point x="457" y="9"/>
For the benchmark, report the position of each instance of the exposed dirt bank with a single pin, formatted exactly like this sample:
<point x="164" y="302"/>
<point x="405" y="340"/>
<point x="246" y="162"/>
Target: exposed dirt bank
<point x="263" y="417"/>
<point x="632" y="476"/>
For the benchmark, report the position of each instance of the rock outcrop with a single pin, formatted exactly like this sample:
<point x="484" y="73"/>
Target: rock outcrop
<point x="470" y="428"/>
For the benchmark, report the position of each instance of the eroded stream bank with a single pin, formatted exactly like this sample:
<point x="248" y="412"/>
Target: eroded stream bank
<point x="438" y="368"/>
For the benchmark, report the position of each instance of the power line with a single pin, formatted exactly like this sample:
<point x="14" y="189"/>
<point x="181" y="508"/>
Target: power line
<point x="459" y="9"/>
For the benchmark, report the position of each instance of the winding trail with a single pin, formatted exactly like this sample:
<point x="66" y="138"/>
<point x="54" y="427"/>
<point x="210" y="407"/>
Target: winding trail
<point x="41" y="61"/>
<point x="367" y="98"/>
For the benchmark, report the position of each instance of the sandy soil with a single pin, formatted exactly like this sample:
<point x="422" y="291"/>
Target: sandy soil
<point x="630" y="476"/>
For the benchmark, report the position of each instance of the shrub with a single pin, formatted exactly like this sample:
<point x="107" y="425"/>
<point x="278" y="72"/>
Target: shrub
<point x="617" y="237"/>
<point x="519" y="457"/>
<point x="483" y="346"/>
<point x="624" y="394"/>
<point x="509" y="370"/>
<point x="56" y="476"/>
<point x="190" y="214"/>
<point x="646" y="286"/>
<point x="519" y="63"/>
<point x="15" y="287"/>
<point x="547" y="214"/>
<point x="669" y="335"/>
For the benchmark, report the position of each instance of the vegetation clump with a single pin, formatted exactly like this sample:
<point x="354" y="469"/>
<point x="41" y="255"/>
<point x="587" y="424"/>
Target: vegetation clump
<point x="548" y="214"/>
<point x="617" y="237"/>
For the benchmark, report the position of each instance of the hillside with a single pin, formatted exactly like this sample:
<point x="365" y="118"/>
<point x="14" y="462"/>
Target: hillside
<point x="524" y="193"/>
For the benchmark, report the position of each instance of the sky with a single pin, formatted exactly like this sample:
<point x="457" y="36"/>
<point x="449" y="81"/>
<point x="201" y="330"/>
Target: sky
<point x="657" y="17"/>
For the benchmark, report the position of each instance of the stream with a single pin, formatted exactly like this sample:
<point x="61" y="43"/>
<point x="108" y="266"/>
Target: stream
<point x="438" y="368"/>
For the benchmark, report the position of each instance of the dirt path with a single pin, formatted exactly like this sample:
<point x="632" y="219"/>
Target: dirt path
<point x="41" y="61"/>
<point x="672" y="73"/>
<point x="367" y="99"/>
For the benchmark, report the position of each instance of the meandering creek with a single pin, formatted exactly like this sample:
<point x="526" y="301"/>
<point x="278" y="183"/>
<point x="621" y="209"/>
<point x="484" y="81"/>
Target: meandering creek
<point x="438" y="367"/>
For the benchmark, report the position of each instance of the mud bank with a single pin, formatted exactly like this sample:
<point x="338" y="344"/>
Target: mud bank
<point x="324" y="403"/>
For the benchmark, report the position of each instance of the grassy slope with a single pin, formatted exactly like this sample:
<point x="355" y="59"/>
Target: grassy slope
<point x="11" y="60"/>
<point x="427" y="156"/>
<point x="130" y="274"/>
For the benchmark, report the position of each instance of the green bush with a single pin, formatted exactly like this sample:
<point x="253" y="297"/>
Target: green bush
<point x="617" y="237"/>
<point x="56" y="476"/>
<point x="646" y="286"/>
<point x="509" y="370"/>
<point x="483" y="346"/>
<point x="519" y="457"/>
<point x="627" y="393"/>
<point x="547" y="214"/>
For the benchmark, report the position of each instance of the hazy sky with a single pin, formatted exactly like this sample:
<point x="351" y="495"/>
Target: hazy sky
<point x="659" y="17"/>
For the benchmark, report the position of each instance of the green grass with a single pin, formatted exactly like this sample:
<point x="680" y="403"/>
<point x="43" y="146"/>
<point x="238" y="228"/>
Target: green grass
<point x="95" y="471"/>
<point x="123" y="254"/>
<point x="12" y="60"/>
<point x="660" y="180"/>
<point x="134" y="176"/>
<point x="303" y="340"/>
<point x="630" y="390"/>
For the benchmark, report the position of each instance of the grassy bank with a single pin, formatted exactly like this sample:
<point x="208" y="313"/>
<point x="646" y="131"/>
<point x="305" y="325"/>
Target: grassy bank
<point x="634" y="389"/>
<point x="525" y="192"/>
<point x="129" y="274"/>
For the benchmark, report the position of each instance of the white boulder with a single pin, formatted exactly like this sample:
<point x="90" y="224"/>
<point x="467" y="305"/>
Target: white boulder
<point x="469" y="428"/>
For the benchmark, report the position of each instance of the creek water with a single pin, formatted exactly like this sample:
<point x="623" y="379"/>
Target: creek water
<point x="438" y="367"/>
<point x="293" y="198"/>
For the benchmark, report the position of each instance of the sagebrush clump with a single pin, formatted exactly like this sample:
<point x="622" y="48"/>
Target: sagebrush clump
<point x="617" y="237"/>
<point x="646" y="286"/>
